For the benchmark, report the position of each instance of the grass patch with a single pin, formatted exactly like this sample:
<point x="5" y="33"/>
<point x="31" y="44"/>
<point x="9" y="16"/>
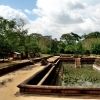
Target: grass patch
<point x="85" y="76"/>
<point x="45" y="55"/>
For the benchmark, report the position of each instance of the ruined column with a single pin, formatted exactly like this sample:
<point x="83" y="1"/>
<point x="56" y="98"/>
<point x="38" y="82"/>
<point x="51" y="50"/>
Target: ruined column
<point x="78" y="62"/>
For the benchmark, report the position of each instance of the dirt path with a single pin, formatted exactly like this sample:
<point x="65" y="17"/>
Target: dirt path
<point x="9" y="82"/>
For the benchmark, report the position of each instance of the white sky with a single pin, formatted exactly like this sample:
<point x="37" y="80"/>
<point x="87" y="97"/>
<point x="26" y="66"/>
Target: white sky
<point x="57" y="17"/>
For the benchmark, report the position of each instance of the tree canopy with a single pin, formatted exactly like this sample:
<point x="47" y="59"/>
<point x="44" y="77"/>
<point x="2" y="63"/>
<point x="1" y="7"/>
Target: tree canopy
<point x="14" y="37"/>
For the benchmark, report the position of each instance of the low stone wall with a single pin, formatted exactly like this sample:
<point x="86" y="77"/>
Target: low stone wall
<point x="87" y="60"/>
<point x="96" y="67"/>
<point x="19" y="65"/>
<point x="83" y="60"/>
<point x="36" y="78"/>
<point x="12" y="68"/>
<point x="58" y="90"/>
<point x="39" y="59"/>
<point x="68" y="60"/>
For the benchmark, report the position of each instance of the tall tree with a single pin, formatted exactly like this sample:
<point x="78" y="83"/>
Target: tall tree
<point x="70" y="38"/>
<point x="5" y="44"/>
<point x="13" y="35"/>
<point x="95" y="34"/>
<point x="96" y="48"/>
<point x="76" y="37"/>
<point x="54" y="46"/>
<point x="61" y="46"/>
<point x="79" y="49"/>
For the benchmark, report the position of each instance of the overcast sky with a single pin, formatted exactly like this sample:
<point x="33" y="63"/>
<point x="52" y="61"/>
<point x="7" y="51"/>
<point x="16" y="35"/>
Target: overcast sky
<point x="54" y="17"/>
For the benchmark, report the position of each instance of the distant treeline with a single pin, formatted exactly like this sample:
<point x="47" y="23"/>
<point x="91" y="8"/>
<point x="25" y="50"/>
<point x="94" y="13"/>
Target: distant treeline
<point x="15" y="38"/>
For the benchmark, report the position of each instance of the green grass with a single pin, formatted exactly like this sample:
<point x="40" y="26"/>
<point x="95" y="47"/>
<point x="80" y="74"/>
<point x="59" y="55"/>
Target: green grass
<point x="45" y="55"/>
<point x="85" y="76"/>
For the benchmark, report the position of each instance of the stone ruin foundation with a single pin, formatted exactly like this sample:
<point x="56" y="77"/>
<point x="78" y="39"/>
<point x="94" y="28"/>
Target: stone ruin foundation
<point x="42" y="82"/>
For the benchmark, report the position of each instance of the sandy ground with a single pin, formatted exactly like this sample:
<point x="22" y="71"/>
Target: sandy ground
<point x="9" y="90"/>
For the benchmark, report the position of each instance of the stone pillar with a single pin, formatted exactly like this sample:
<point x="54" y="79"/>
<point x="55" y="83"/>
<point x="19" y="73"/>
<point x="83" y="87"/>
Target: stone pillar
<point x="78" y="62"/>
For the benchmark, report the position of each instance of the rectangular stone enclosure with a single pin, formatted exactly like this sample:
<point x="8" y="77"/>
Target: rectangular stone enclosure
<point x="46" y="81"/>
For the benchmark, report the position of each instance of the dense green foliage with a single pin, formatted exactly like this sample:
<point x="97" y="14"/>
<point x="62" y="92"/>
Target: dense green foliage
<point x="85" y="76"/>
<point x="91" y="35"/>
<point x="15" y="38"/>
<point x="88" y="43"/>
<point x="96" y="48"/>
<point x="70" y="38"/>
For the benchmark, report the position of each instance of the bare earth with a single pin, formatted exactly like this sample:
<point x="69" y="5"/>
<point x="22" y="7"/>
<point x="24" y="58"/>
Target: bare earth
<point x="9" y="82"/>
